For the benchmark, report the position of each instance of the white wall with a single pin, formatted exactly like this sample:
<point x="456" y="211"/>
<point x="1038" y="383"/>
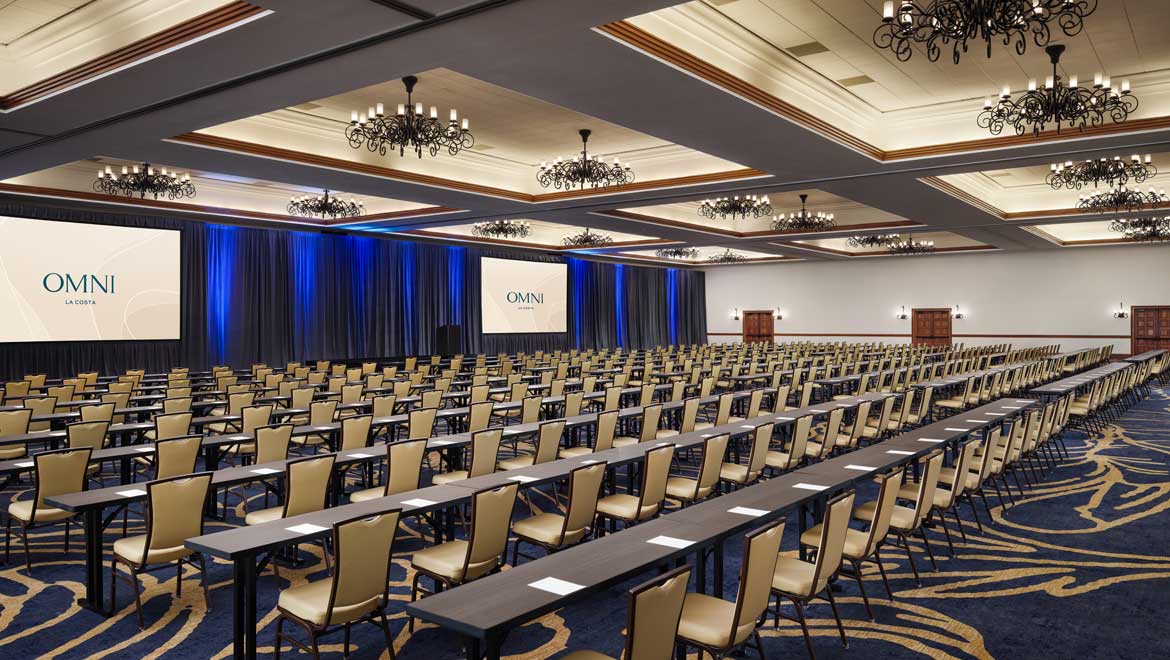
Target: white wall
<point x="1070" y="292"/>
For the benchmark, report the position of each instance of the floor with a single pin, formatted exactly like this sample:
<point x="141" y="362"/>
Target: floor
<point x="1080" y="567"/>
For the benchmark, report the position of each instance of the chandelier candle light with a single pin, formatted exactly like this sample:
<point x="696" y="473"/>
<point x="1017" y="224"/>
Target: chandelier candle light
<point x="803" y="220"/>
<point x="727" y="257"/>
<point x="877" y="240"/>
<point x="325" y="206"/>
<point x="586" y="238"/>
<point x="1114" y="171"/>
<point x="678" y="253"/>
<point x="732" y="207"/>
<point x="1057" y="103"/>
<point x="1147" y="230"/>
<point x="140" y="181"/>
<point x="409" y="128"/>
<point x="584" y="170"/>
<point x="1121" y="199"/>
<point x="945" y="22"/>
<point x="508" y="229"/>
<point x="909" y="246"/>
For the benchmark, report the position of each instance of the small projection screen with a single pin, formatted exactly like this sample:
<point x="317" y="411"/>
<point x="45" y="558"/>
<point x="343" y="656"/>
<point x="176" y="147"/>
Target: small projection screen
<point x="523" y="296"/>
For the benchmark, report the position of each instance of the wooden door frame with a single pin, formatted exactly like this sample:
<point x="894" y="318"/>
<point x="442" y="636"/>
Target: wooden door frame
<point x="915" y="310"/>
<point x="1133" y="310"/>
<point x="743" y="323"/>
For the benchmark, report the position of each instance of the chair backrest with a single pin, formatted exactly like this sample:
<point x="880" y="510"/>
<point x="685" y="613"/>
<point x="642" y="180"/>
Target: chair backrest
<point x="834" y="526"/>
<point x="584" y="488"/>
<point x="485" y="448"/>
<point x="480" y="415"/>
<point x="355" y="432"/>
<point x="59" y="472"/>
<point x="655" y="471"/>
<point x="573" y="401"/>
<point x="806" y="393"/>
<point x="654" y="613"/>
<point x="889" y="484"/>
<point x="518" y="391"/>
<point x="927" y="484"/>
<point x="801" y="429"/>
<point x="172" y="425"/>
<point x="362" y="547"/>
<point x="255" y="416"/>
<point x="491" y="517"/>
<point x="761" y="438"/>
<point x="17" y="388"/>
<point x="97" y="412"/>
<point x="404" y="465"/>
<point x="306" y="483"/>
<point x="351" y="393"/>
<point x="87" y="434"/>
<point x="606" y="428"/>
<point x="780" y="399"/>
<point x="548" y="441"/>
<point x="613" y="397"/>
<point x="646" y="396"/>
<point x="761" y="549"/>
<point x="651" y="415"/>
<point x="176" y="456"/>
<point x="421" y="423"/>
<point x="690" y="414"/>
<point x="272" y="442"/>
<point x="15" y="422"/>
<point x="174" y="511"/>
<point x="383" y="406"/>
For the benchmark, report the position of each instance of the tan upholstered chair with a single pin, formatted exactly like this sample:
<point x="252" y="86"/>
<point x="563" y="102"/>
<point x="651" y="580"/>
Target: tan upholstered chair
<point x="652" y="620"/>
<point x="357" y="591"/>
<point x="783" y="460"/>
<point x="552" y="531"/>
<point x="456" y="562"/>
<point x="737" y="475"/>
<point x="176" y="456"/>
<point x="97" y="412"/>
<point x="479" y="416"/>
<point x="904" y="521"/>
<point x="548" y="443"/>
<point x="606" y="427"/>
<point x="14" y="422"/>
<point x="485" y="447"/>
<point x="866" y="546"/>
<point x="170" y="425"/>
<point x="722" y="412"/>
<point x="946" y="497"/>
<point x="420" y="423"/>
<point x="321" y="413"/>
<point x="651" y="415"/>
<point x="403" y="470"/>
<point x="306" y="483"/>
<point x="174" y="513"/>
<point x="57" y="473"/>
<point x="632" y="509"/>
<point x="719" y="628"/>
<point x="687" y="490"/>
<point x="801" y="581"/>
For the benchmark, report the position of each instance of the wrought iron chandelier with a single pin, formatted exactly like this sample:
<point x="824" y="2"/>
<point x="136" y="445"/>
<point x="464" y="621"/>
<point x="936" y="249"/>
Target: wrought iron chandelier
<point x="876" y="240"/>
<point x="409" y="128"/>
<point x="140" y="181"/>
<point x="502" y="229"/>
<point x="586" y="238"/>
<point x="909" y="246"/>
<point x="727" y="257"/>
<point x="1110" y="171"/>
<point x="1057" y="103"/>
<point x="803" y="220"/>
<point x="943" y="22"/>
<point x="732" y="207"/>
<point x="678" y="253"/>
<point x="584" y="170"/>
<point x="325" y="206"/>
<point x="1151" y="229"/>
<point x="1121" y="199"/>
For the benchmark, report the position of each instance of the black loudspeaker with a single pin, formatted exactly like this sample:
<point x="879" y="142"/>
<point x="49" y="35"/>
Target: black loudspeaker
<point x="448" y="339"/>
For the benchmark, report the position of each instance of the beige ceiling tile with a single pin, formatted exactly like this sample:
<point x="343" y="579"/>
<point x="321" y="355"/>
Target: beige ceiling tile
<point x="757" y="17"/>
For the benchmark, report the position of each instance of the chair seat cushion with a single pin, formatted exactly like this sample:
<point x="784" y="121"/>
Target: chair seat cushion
<point x="517" y="462"/>
<point x="448" y="477"/>
<point x="703" y="425"/>
<point x="546" y="528"/>
<point x="681" y="488"/>
<point x="665" y="433"/>
<point x="131" y="548"/>
<point x="902" y="517"/>
<point x="264" y="515"/>
<point x="624" y="507"/>
<point x="23" y="510"/>
<point x="793" y="576"/>
<point x="367" y="494"/>
<point x="624" y="441"/>
<point x="734" y="472"/>
<point x="573" y="452"/>
<point x="445" y="560"/>
<point x="855" y="541"/>
<point x="310" y="602"/>
<point x="777" y="459"/>
<point x="947" y="476"/>
<point x="706" y="620"/>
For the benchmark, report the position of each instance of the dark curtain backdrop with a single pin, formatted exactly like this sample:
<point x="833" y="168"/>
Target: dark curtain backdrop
<point x="273" y="295"/>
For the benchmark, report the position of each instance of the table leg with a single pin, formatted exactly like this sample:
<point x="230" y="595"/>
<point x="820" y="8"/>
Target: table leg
<point x="94" y="596"/>
<point x="717" y="588"/>
<point x="701" y="571"/>
<point x="244" y="607"/>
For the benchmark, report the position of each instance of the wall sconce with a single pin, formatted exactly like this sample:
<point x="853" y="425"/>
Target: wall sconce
<point x="734" y="313"/>
<point x="956" y="314"/>
<point x="901" y="316"/>
<point x="777" y="315"/>
<point x="1121" y="313"/>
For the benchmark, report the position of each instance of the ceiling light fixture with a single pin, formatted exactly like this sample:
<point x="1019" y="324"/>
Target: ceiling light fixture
<point x="507" y="229"/>
<point x="722" y="208"/>
<point x="140" y="181"/>
<point x="1058" y="103"/>
<point x="803" y="220"/>
<point x="677" y="253"/>
<point x="876" y="240"/>
<point x="586" y="238"/>
<point x="941" y="22"/>
<point x="727" y="257"/>
<point x="1147" y="230"/>
<point x="409" y="128"/>
<point x="324" y="206"/>
<point x="583" y="170"/>
<point x="1121" y="199"/>
<point x="909" y="246"/>
<point x="1109" y="171"/>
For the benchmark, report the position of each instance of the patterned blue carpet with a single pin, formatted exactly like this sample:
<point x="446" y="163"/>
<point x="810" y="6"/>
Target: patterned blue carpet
<point x="1080" y="567"/>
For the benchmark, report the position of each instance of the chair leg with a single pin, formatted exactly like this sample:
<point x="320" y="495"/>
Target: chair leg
<point x="759" y="644"/>
<point x="861" y="587"/>
<point x="203" y="580"/>
<point x="803" y="626"/>
<point x="27" y="553"/>
<point x="345" y="642"/>
<point x="943" y="522"/>
<point x="877" y="559"/>
<point x="386" y="634"/>
<point x="837" y="616"/>
<point x="137" y="598"/>
<point x="909" y="554"/>
<point x="929" y="551"/>
<point x="279" y="634"/>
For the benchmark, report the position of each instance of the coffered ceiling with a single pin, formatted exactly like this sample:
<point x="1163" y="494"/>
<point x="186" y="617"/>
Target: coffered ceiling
<point x="702" y="99"/>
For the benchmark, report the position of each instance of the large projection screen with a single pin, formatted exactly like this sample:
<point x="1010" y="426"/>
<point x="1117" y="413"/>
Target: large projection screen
<point x="66" y="281"/>
<point x="523" y="296"/>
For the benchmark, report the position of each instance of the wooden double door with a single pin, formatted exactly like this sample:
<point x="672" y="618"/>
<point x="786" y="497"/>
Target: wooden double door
<point x="932" y="326"/>
<point x="758" y="326"/>
<point x="1149" y="328"/>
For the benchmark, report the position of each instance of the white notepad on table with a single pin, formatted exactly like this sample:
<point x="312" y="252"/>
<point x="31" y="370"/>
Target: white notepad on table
<point x="418" y="501"/>
<point x="670" y="542"/>
<point x="747" y="511"/>
<point x="804" y="486"/>
<point x="306" y="528"/>
<point x="133" y="492"/>
<point x="556" y="586"/>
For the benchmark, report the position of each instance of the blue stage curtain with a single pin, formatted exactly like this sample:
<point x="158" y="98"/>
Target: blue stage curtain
<point x="254" y="294"/>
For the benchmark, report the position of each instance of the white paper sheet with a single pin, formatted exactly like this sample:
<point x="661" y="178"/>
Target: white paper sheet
<point x="522" y="478"/>
<point x="747" y="511"/>
<point x="804" y="486"/>
<point x="900" y="452"/>
<point x="861" y="468"/>
<point x="556" y="586"/>
<point x="417" y="501"/>
<point x="266" y="471"/>
<point x="133" y="492"/>
<point x="670" y="542"/>
<point x="306" y="528"/>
